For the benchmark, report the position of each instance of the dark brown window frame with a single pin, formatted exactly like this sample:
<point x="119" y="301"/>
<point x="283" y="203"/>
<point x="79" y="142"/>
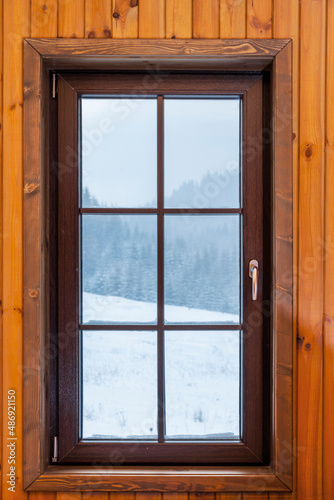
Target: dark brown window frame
<point x="42" y="57"/>
<point x="72" y="448"/>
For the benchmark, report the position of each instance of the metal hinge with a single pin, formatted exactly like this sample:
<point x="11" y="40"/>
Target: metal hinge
<point x="55" y="449"/>
<point x="54" y="84"/>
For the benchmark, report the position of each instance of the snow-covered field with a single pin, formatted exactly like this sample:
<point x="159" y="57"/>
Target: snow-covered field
<point x="110" y="309"/>
<point x="120" y="374"/>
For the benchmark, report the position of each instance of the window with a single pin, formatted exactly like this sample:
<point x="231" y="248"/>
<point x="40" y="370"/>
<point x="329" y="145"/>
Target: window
<point x="158" y="222"/>
<point x="160" y="277"/>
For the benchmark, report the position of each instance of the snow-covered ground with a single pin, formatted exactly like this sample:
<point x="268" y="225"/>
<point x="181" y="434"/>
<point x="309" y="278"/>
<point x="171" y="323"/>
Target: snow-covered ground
<point x="110" y="309"/>
<point x="120" y="374"/>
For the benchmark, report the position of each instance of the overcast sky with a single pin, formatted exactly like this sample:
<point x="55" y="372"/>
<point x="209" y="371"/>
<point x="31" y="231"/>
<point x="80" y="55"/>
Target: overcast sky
<point x="119" y="145"/>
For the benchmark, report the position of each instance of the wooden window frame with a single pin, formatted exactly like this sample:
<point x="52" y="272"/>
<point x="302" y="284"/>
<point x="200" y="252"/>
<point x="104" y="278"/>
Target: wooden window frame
<point x="41" y="59"/>
<point x="253" y="447"/>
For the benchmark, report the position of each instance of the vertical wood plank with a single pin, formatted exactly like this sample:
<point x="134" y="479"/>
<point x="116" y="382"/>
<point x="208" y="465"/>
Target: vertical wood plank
<point x="147" y="496"/>
<point x="255" y="496"/>
<point x="175" y="496"/>
<point x="71" y="15"/>
<point x="286" y="25"/>
<point x="311" y="238"/>
<point x="113" y="495"/>
<point x="232" y="18"/>
<point x="42" y="496"/>
<point x="98" y="19"/>
<point x="125" y="18"/>
<point x="1" y="236"/>
<point x="152" y="19"/>
<point x="69" y="496"/>
<point x="206" y="18"/>
<point x="328" y="412"/>
<point x="1" y="233"/>
<point x="43" y="19"/>
<point x="179" y="19"/>
<point x="228" y="496"/>
<point x="16" y="25"/>
<point x="201" y="496"/>
<point x="259" y="18"/>
<point x="309" y="395"/>
<point x="95" y="496"/>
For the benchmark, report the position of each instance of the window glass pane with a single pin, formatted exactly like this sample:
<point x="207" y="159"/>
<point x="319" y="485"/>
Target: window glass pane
<point x="202" y="269"/>
<point x="202" y="384"/>
<point x="119" y="152"/>
<point x="119" y="385"/>
<point x="202" y="153"/>
<point x="119" y="268"/>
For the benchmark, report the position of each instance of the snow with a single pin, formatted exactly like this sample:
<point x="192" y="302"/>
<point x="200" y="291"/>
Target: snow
<point x="120" y="375"/>
<point x="111" y="309"/>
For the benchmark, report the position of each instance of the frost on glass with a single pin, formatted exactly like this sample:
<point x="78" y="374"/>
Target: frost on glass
<point x="202" y="384"/>
<point x="202" y="147"/>
<point x="119" y="152"/>
<point x="202" y="268"/>
<point x="119" y="269"/>
<point x="119" y="385"/>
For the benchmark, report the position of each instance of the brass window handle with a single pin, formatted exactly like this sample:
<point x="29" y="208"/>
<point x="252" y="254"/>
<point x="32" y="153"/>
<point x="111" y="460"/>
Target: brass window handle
<point x="254" y="274"/>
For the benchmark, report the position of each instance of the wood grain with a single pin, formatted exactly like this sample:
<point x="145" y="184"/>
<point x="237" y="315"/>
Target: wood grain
<point x="98" y="19"/>
<point x="151" y="18"/>
<point x="285" y="21"/>
<point x="211" y="480"/>
<point x="148" y="496"/>
<point x="283" y="260"/>
<point x="2" y="437"/>
<point x="232" y="18"/>
<point x="258" y="25"/>
<point x="140" y="482"/>
<point x="206" y="18"/>
<point x="255" y="496"/>
<point x="33" y="290"/>
<point x="69" y="496"/>
<point x="99" y="496"/>
<point x="16" y="16"/>
<point x="311" y="238"/>
<point x="71" y="15"/>
<point x="328" y="430"/>
<point x="113" y="495"/>
<point x="43" y="23"/>
<point x="43" y="20"/>
<point x="229" y="48"/>
<point x="259" y="18"/>
<point x="42" y="496"/>
<point x="179" y="19"/>
<point x="124" y="19"/>
<point x="201" y="496"/>
<point x="286" y="24"/>
<point x="228" y="496"/>
<point x="174" y="496"/>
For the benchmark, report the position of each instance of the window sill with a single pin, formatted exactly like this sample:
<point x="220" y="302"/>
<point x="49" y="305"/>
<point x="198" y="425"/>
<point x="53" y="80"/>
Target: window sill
<point x="163" y="479"/>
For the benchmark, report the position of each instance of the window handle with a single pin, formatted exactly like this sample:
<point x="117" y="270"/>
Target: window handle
<point x="254" y="274"/>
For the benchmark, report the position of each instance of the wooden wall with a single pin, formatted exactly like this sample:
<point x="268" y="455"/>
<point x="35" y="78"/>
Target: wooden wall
<point x="311" y="25"/>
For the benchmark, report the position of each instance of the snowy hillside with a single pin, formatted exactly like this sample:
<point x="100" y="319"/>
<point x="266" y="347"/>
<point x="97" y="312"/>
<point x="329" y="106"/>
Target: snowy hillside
<point x="111" y="309"/>
<point x="120" y="380"/>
